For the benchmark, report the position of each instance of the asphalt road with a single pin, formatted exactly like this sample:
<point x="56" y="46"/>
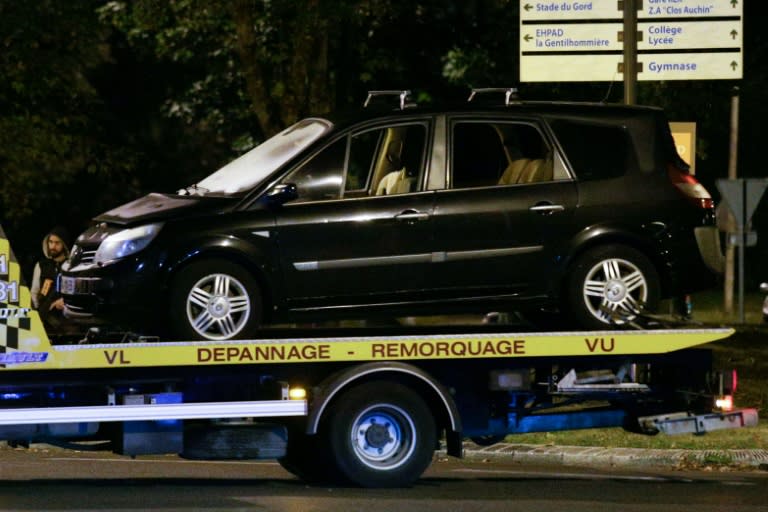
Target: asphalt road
<point x="54" y="480"/>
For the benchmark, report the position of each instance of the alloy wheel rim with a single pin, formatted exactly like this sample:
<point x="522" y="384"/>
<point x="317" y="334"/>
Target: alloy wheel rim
<point x="218" y="307"/>
<point x="615" y="291"/>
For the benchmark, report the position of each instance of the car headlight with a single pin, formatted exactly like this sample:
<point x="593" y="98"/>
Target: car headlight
<point x="126" y="242"/>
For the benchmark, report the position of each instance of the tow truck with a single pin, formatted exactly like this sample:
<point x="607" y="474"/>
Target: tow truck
<point x="346" y="406"/>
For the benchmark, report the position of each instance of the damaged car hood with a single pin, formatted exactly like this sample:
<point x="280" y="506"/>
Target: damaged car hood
<point x="160" y="207"/>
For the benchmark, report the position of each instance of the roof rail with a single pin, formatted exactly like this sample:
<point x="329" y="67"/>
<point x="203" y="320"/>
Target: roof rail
<point x="509" y="93"/>
<point x="404" y="95"/>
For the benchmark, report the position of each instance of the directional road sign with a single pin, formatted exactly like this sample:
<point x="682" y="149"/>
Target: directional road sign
<point x="656" y="35"/>
<point x="677" y="40"/>
<point x="608" y="9"/>
<point x="742" y="197"/>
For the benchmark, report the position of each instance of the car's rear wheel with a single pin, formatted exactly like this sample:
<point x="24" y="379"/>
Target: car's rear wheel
<point x="215" y="300"/>
<point x="610" y="285"/>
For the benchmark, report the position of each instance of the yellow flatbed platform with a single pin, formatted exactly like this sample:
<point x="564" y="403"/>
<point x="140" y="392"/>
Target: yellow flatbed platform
<point x="36" y="352"/>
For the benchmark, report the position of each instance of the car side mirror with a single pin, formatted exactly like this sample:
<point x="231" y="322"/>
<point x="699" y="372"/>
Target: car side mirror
<point x="282" y="193"/>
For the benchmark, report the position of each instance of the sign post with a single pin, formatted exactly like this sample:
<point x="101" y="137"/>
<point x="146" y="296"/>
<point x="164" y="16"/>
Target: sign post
<point x="629" y="66"/>
<point x="742" y="197"/>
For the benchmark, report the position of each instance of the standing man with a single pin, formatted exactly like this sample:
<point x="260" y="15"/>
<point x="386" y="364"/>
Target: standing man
<point x="45" y="298"/>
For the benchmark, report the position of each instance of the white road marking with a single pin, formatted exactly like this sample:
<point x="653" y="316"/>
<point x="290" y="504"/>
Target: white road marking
<point x="582" y="476"/>
<point x="145" y="461"/>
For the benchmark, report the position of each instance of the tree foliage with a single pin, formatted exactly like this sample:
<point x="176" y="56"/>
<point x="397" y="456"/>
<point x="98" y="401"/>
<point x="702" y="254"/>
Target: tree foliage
<point x="50" y="113"/>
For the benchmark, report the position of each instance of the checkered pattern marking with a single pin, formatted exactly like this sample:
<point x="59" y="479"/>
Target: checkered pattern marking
<point x="17" y="319"/>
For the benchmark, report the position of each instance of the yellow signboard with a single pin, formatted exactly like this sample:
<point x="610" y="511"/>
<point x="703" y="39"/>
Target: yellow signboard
<point x="684" y="135"/>
<point x="20" y="325"/>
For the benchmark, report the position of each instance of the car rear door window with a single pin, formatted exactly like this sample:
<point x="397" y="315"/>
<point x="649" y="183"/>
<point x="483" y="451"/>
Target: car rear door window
<point x="485" y="153"/>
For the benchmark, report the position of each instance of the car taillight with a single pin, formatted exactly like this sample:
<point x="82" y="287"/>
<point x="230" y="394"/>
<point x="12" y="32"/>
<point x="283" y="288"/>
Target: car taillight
<point x="690" y="187"/>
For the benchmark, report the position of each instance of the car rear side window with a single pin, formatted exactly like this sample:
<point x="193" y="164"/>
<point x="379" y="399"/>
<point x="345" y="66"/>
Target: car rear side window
<point x="595" y="151"/>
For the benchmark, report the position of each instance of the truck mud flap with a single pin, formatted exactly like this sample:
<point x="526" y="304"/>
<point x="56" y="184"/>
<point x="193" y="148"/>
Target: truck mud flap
<point x="685" y="423"/>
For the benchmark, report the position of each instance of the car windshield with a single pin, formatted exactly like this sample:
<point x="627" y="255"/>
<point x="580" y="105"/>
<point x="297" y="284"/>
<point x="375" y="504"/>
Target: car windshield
<point x="253" y="167"/>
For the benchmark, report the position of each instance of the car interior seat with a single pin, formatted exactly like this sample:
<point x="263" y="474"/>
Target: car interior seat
<point x="514" y="171"/>
<point x="517" y="161"/>
<point x="538" y="170"/>
<point x="390" y="183"/>
<point x="406" y="181"/>
<point x="528" y="174"/>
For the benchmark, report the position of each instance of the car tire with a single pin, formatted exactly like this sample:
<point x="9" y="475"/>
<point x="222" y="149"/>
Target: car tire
<point x="609" y="285"/>
<point x="215" y="300"/>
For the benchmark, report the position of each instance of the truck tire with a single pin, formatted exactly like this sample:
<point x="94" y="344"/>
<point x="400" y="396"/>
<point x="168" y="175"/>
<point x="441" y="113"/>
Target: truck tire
<point x="380" y="434"/>
<point x="308" y="459"/>
<point x="609" y="285"/>
<point x="214" y="300"/>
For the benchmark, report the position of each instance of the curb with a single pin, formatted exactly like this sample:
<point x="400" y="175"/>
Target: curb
<point x="619" y="457"/>
<point x="589" y="456"/>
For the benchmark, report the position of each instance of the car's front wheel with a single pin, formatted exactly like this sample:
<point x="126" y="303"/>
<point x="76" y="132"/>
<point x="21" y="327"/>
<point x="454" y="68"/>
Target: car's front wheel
<point x="610" y="285"/>
<point x="215" y="300"/>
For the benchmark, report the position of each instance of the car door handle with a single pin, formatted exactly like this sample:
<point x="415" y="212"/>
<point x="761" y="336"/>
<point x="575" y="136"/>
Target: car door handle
<point x="547" y="208"/>
<point x="411" y="215"/>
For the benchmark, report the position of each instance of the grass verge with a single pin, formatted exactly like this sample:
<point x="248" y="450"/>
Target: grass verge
<point x="736" y="439"/>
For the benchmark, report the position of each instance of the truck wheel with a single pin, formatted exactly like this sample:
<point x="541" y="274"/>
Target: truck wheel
<point x="610" y="285"/>
<point x="215" y="300"/>
<point x="307" y="458"/>
<point x="380" y="434"/>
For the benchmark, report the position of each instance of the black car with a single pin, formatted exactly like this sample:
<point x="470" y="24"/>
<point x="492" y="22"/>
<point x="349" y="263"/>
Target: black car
<point x="483" y="206"/>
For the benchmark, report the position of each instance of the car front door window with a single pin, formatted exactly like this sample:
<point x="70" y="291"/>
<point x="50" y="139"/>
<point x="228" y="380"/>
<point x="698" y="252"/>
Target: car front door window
<point x="380" y="161"/>
<point x="321" y="177"/>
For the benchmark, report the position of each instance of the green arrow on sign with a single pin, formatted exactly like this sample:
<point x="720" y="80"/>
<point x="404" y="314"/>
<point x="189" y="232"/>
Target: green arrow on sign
<point x="734" y="3"/>
<point x="734" y="34"/>
<point x="527" y="37"/>
<point x="734" y="65"/>
<point x="528" y="7"/>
